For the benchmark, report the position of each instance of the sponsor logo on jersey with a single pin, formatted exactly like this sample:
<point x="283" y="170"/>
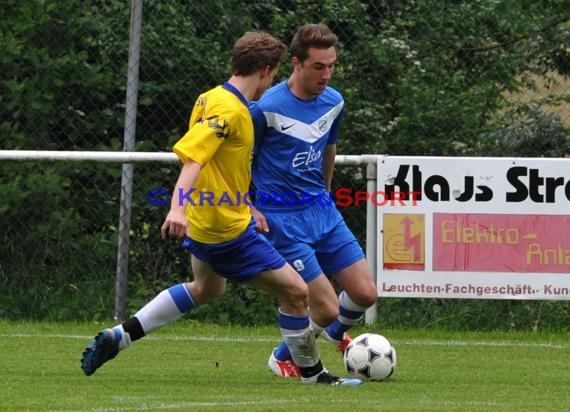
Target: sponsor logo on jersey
<point x="306" y="158"/>
<point x="221" y="127"/>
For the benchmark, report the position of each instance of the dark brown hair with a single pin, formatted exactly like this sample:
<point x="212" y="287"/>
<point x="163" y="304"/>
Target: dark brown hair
<point x="312" y="35"/>
<point x="256" y="50"/>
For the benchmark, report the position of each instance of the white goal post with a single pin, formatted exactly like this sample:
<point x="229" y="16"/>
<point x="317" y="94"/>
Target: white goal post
<point x="134" y="157"/>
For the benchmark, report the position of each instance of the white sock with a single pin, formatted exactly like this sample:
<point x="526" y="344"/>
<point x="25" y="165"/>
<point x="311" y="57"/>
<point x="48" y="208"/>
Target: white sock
<point x="347" y="303"/>
<point x="316" y="328"/>
<point x="125" y="337"/>
<point x="297" y="333"/>
<point x="160" y="311"/>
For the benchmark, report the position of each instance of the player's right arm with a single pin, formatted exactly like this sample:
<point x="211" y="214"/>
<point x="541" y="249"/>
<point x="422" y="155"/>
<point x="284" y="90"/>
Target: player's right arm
<point x="261" y="223"/>
<point x="176" y="222"/>
<point x="194" y="150"/>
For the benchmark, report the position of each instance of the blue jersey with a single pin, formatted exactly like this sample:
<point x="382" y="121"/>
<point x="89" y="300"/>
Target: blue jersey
<point x="290" y="139"/>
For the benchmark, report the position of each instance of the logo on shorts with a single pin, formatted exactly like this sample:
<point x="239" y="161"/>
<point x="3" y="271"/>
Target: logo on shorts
<point x="298" y="265"/>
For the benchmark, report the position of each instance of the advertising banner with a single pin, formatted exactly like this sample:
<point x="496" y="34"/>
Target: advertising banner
<point x="482" y="228"/>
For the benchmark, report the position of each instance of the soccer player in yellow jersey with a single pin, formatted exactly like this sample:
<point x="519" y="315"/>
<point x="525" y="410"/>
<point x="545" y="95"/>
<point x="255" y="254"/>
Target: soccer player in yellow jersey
<point x="209" y="209"/>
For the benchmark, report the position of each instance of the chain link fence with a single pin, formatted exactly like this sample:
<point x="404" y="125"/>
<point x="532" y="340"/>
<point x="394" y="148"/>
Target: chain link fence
<point x="419" y="78"/>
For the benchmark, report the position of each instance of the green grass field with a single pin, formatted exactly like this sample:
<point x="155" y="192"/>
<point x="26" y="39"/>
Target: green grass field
<point x="192" y="367"/>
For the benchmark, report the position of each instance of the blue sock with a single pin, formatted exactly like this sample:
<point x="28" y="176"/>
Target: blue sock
<point x="282" y="352"/>
<point x="336" y="330"/>
<point x="349" y="315"/>
<point x="182" y="297"/>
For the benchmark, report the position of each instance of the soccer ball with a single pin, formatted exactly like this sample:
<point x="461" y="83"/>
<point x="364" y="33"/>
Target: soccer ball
<point x="370" y="357"/>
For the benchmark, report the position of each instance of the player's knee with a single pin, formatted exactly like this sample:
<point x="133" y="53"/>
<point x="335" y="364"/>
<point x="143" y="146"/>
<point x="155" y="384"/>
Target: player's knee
<point x="206" y="292"/>
<point x="324" y="319"/>
<point x="296" y="295"/>
<point x="300" y="292"/>
<point x="365" y="298"/>
<point x="370" y="299"/>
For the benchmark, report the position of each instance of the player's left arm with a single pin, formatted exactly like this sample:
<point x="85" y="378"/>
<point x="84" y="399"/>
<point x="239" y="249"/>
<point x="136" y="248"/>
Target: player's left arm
<point x="328" y="164"/>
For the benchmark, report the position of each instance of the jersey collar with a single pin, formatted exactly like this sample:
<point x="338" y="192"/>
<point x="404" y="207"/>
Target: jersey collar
<point x="235" y="91"/>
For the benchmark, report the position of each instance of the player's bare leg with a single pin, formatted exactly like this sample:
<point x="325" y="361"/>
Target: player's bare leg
<point x="296" y="330"/>
<point x="165" y="308"/>
<point x="359" y="293"/>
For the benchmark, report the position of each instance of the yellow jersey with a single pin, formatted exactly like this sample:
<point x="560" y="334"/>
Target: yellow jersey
<point x="220" y="140"/>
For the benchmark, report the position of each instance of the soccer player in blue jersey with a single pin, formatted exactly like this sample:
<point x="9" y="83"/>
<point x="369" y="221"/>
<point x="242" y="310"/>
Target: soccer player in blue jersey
<point x="296" y="130"/>
<point x="216" y="157"/>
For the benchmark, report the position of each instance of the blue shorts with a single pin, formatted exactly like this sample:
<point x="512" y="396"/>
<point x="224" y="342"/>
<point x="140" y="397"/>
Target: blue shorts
<point x="240" y="259"/>
<point x="313" y="240"/>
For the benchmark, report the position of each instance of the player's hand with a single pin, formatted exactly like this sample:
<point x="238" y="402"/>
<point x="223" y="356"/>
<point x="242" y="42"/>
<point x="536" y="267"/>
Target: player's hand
<point x="175" y="224"/>
<point x="261" y="223"/>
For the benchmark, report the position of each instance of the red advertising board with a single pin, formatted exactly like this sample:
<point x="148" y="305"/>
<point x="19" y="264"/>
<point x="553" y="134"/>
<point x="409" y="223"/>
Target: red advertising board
<point x="472" y="242"/>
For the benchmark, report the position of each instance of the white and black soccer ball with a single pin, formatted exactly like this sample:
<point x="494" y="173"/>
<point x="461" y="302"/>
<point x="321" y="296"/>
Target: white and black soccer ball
<point x="370" y="357"/>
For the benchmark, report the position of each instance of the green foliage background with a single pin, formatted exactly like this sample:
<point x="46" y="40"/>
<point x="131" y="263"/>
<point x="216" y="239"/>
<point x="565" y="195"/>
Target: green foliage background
<point x="419" y="78"/>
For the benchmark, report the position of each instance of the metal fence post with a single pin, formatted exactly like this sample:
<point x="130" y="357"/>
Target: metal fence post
<point x="121" y="284"/>
<point x="371" y="236"/>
